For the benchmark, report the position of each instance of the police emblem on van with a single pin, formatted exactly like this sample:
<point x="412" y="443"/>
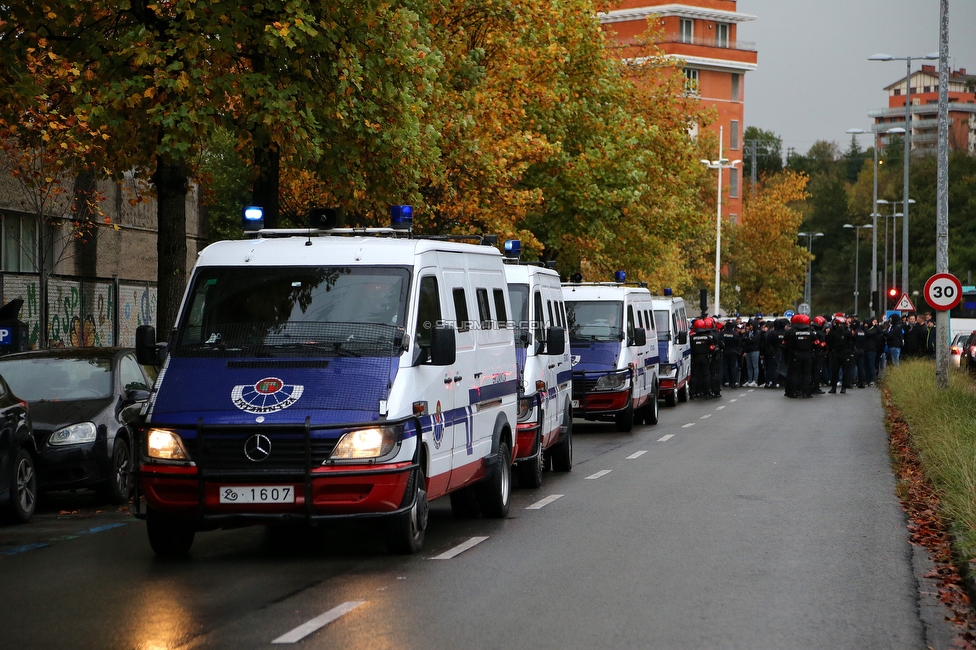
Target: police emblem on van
<point x="267" y="396"/>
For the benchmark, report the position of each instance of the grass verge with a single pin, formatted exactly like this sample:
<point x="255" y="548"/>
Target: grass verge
<point x="942" y="432"/>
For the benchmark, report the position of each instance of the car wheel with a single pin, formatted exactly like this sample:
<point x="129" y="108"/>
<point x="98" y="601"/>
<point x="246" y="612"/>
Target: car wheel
<point x="169" y="539"/>
<point x="683" y="394"/>
<point x="624" y="420"/>
<point x="651" y="411"/>
<point x="464" y="503"/>
<point x="495" y="491"/>
<point x="407" y="530"/>
<point x="561" y="454"/>
<point x="118" y="489"/>
<point x="530" y="471"/>
<point x="23" y="488"/>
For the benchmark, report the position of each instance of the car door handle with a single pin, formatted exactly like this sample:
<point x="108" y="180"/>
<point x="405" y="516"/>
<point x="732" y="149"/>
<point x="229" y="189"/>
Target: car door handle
<point x="447" y="380"/>
<point x="457" y="378"/>
<point x="477" y="375"/>
<point x="551" y="366"/>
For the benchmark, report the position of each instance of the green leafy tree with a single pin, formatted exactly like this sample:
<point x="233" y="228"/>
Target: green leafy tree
<point x="769" y="152"/>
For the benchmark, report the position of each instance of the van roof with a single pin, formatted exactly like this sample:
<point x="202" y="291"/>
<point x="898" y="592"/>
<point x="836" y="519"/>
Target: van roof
<point x="329" y="251"/>
<point x="603" y="292"/>
<point x="523" y="273"/>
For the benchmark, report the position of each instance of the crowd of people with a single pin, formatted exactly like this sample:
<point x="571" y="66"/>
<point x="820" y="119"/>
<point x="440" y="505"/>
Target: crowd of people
<point x="802" y="355"/>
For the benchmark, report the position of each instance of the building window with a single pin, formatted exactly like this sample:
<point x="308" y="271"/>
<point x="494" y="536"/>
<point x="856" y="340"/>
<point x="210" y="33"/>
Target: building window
<point x="19" y="244"/>
<point x="734" y="135"/>
<point x="722" y="34"/>
<point x="736" y="80"/>
<point x="733" y="183"/>
<point x="927" y="89"/>
<point x="687" y="30"/>
<point x="897" y="91"/>
<point x="691" y="81"/>
<point x="734" y="219"/>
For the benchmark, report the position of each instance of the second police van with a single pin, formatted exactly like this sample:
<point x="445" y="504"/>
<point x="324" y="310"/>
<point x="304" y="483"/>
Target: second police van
<point x="545" y="419"/>
<point x="671" y="322"/>
<point x="319" y="375"/>
<point x="615" y="352"/>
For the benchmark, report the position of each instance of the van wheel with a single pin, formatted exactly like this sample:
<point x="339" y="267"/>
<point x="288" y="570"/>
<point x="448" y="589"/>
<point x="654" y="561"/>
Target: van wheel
<point x="494" y="492"/>
<point x="683" y="394"/>
<point x="625" y="419"/>
<point x="407" y="530"/>
<point x="671" y="399"/>
<point x="23" y="488"/>
<point x="464" y="504"/>
<point x="169" y="539"/>
<point x="530" y="471"/>
<point x="561" y="454"/>
<point x="651" y="411"/>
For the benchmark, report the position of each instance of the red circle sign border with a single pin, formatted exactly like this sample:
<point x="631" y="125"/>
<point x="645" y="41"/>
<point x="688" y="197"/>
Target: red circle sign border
<point x="941" y="276"/>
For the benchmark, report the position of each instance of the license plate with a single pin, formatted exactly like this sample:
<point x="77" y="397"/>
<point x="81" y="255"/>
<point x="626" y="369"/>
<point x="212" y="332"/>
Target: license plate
<point x="257" y="494"/>
<point x="576" y="403"/>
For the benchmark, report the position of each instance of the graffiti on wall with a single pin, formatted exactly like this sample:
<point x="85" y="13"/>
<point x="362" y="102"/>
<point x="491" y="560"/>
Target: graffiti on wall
<point x="137" y="306"/>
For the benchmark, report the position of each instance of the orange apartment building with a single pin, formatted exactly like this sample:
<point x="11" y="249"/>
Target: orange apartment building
<point x="702" y="33"/>
<point x="925" y="111"/>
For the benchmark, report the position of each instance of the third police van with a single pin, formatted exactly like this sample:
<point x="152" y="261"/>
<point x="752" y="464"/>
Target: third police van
<point x="615" y="353"/>
<point x="671" y="322"/>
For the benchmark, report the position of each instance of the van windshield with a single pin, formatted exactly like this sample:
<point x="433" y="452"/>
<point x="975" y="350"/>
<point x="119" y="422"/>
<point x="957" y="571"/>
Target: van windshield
<point x="594" y="320"/>
<point x="295" y="312"/>
<point x="661" y="319"/>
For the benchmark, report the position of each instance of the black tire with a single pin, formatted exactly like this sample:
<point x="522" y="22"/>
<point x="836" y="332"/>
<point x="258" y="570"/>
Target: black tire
<point x="683" y="394"/>
<point x="561" y="454"/>
<point x="169" y="539"/>
<point x="495" y="492"/>
<point x="23" y="488"/>
<point x="464" y="503"/>
<point x="624" y="420"/>
<point x="671" y="399"/>
<point x="530" y="471"/>
<point x="117" y="488"/>
<point x="407" y="530"/>
<point x="651" y="412"/>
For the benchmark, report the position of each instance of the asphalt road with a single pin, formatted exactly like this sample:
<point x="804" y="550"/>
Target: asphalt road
<point x="751" y="521"/>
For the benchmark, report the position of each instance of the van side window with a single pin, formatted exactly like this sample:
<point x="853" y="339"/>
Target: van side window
<point x="630" y="321"/>
<point x="562" y="309"/>
<point x="500" y="313"/>
<point x="484" y="309"/>
<point x="428" y="313"/>
<point x="461" y="310"/>
<point x="539" y="317"/>
<point x="640" y="319"/>
<point x="559" y="316"/>
<point x="649" y="319"/>
<point x="552" y="321"/>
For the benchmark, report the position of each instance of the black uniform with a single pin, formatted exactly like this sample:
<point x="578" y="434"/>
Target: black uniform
<point x="861" y="345"/>
<point x="716" y="364"/>
<point x="773" y="353"/>
<point x="819" y="357"/>
<point x="731" y="351"/>
<point x="798" y="346"/>
<point x="702" y="347"/>
<point x="840" y="347"/>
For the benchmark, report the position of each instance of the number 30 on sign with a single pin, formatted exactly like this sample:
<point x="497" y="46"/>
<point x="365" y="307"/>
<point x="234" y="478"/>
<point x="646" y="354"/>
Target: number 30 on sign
<point x="943" y="291"/>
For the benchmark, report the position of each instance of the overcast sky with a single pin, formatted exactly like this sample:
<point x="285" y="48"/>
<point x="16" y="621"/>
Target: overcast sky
<point x="814" y="80"/>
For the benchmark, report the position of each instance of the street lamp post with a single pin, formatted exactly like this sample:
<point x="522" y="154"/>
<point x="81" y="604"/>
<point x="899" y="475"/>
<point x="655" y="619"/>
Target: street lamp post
<point x="807" y="285"/>
<point x="720" y="164"/>
<point x="908" y="149"/>
<point x="857" y="260"/>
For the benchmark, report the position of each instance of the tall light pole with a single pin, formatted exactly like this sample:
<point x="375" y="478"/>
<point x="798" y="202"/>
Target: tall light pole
<point x="908" y="150"/>
<point x="807" y="288"/>
<point x="720" y="164"/>
<point x="857" y="260"/>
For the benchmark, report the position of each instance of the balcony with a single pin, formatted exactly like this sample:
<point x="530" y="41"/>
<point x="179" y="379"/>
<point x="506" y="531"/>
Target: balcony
<point x="704" y="41"/>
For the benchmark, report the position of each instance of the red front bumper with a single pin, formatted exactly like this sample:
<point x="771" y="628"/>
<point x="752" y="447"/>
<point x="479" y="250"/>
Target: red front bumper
<point x="598" y="403"/>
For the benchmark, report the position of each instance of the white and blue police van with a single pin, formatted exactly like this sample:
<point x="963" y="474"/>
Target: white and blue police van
<point x="674" y="349"/>
<point x="545" y="415"/>
<point x="326" y="374"/>
<point x="613" y="343"/>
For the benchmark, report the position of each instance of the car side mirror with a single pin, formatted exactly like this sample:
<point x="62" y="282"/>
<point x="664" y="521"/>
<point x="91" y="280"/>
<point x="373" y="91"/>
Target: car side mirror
<point x="134" y="395"/>
<point x="148" y="351"/>
<point x="682" y="338"/>
<point x="443" y="346"/>
<point x="640" y="337"/>
<point x="555" y="341"/>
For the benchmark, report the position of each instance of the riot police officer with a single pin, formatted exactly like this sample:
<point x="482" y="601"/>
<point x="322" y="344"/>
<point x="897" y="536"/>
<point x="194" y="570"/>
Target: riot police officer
<point x="716" y="358"/>
<point x="840" y="350"/>
<point x="819" y="354"/>
<point x="798" y="344"/>
<point x="731" y="351"/>
<point x="702" y="346"/>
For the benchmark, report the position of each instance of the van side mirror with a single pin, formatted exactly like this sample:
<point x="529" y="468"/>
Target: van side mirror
<point x="555" y="341"/>
<point x="640" y="337"/>
<point x="522" y="337"/>
<point x="682" y="338"/>
<point x="148" y="352"/>
<point x="443" y="346"/>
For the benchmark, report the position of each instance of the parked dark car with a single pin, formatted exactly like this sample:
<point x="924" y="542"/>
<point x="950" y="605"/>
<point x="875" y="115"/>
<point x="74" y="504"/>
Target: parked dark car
<point x="968" y="354"/>
<point x="80" y="401"/>
<point x="18" y="478"/>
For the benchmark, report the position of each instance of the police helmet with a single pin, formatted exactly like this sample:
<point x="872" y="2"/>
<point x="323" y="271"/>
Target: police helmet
<point x="800" y="319"/>
<point x="819" y="321"/>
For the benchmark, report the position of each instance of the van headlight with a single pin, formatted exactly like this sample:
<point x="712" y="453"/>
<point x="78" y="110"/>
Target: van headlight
<point x="611" y="382"/>
<point x="73" y="434"/>
<point x="165" y="445"/>
<point x="366" y="443"/>
<point x="525" y="408"/>
<point x="665" y="368"/>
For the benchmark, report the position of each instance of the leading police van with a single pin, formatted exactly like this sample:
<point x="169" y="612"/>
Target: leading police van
<point x="316" y="375"/>
<point x="615" y="353"/>
<point x="545" y="418"/>
<point x="674" y="349"/>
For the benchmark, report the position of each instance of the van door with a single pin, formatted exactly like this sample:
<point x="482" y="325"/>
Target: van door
<point x="636" y="356"/>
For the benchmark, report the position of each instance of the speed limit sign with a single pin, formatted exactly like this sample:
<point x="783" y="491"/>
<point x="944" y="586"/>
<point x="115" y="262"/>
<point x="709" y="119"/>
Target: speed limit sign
<point x="943" y="291"/>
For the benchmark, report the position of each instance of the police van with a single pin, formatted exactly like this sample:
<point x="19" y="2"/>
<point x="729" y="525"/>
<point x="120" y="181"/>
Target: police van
<point x="327" y="374"/>
<point x="545" y="417"/>
<point x="615" y="353"/>
<point x="674" y="349"/>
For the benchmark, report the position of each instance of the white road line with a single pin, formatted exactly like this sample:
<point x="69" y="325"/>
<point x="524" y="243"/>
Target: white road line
<point x="636" y="455"/>
<point x="665" y="438"/>
<point x="719" y="408"/>
<point x="539" y="505"/>
<point x="460" y="548"/>
<point x="731" y="400"/>
<point x="752" y="390"/>
<point x="601" y="473"/>
<point x="318" y="622"/>
<point x="706" y="416"/>
<point x="685" y="426"/>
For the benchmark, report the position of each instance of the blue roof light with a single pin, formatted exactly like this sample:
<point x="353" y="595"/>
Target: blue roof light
<point x="252" y="218"/>
<point x="620" y="276"/>
<point x="668" y="292"/>
<point x="513" y="248"/>
<point x="401" y="217"/>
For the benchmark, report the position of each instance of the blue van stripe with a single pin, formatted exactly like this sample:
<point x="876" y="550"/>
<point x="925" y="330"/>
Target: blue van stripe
<point x="564" y="376"/>
<point x="650" y="361"/>
<point x="492" y="391"/>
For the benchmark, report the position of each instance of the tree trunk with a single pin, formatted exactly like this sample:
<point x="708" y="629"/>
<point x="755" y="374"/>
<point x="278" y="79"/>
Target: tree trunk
<point x="86" y="246"/>
<point x="172" y="183"/>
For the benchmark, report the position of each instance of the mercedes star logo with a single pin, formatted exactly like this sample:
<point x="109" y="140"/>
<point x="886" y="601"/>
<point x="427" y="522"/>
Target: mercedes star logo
<point x="257" y="447"/>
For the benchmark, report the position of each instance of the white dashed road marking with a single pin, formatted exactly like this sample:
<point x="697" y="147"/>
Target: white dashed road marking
<point x="318" y="622"/>
<point x="705" y="417"/>
<point x="602" y="472"/>
<point x="752" y="390"/>
<point x="665" y="438"/>
<point x="539" y="505"/>
<point x="731" y="400"/>
<point x="636" y="455"/>
<point x="460" y="548"/>
<point x="719" y="408"/>
<point x="685" y="426"/>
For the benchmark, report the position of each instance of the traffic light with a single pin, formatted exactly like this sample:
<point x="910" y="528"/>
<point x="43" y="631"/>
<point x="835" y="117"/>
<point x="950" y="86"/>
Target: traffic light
<point x="892" y="295"/>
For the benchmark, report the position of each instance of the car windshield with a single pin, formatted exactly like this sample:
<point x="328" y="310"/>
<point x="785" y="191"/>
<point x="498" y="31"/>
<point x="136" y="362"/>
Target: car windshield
<point x="295" y="312"/>
<point x="594" y="320"/>
<point x="54" y="379"/>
